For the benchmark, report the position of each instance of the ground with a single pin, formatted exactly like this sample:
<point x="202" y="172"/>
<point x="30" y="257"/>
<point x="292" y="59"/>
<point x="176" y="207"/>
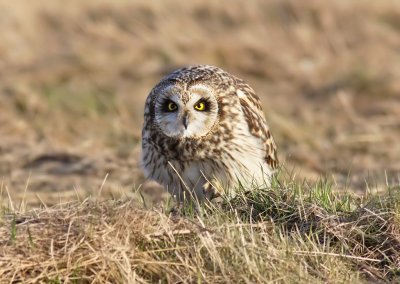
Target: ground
<point x="73" y="80"/>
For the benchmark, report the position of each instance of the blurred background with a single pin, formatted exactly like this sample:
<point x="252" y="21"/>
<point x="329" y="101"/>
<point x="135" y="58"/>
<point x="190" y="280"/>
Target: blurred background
<point x="74" y="76"/>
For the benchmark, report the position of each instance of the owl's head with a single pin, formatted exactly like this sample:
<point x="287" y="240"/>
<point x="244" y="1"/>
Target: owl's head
<point x="185" y="110"/>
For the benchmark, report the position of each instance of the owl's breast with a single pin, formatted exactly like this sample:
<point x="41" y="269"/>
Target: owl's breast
<point x="184" y="150"/>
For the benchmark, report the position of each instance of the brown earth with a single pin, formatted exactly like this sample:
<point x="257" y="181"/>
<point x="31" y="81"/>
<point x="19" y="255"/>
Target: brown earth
<point x="74" y="77"/>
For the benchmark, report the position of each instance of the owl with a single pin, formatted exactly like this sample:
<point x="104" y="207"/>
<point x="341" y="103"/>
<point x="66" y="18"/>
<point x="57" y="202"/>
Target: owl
<point x="205" y="134"/>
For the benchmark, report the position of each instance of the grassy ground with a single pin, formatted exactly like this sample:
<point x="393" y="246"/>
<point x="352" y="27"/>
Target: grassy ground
<point x="289" y="233"/>
<point x="73" y="80"/>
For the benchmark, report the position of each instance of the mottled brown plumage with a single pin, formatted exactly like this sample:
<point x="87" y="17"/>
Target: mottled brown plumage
<point x="203" y="130"/>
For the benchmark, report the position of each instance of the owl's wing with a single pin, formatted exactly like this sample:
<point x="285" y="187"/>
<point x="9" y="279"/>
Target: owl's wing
<point x="255" y="119"/>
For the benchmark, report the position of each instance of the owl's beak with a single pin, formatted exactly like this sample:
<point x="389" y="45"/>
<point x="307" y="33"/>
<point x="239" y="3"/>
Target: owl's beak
<point x="185" y="121"/>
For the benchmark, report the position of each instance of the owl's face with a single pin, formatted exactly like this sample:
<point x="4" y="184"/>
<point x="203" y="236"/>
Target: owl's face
<point x="186" y="113"/>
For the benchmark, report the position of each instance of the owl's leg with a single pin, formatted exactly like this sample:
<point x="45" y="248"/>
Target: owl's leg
<point x="182" y="200"/>
<point x="186" y="203"/>
<point x="187" y="197"/>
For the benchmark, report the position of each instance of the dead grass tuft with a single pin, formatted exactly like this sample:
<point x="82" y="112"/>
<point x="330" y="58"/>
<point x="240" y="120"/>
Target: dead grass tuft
<point x="285" y="234"/>
<point x="74" y="81"/>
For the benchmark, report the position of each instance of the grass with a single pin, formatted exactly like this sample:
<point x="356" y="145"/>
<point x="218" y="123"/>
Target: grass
<point x="79" y="85"/>
<point x="71" y="109"/>
<point x="290" y="232"/>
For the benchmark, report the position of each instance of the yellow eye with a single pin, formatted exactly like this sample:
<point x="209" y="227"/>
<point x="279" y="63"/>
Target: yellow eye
<point x="172" y="106"/>
<point x="200" y="106"/>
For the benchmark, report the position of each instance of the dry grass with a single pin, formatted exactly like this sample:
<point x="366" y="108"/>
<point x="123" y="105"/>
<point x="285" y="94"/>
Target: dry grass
<point x="287" y="233"/>
<point x="74" y="78"/>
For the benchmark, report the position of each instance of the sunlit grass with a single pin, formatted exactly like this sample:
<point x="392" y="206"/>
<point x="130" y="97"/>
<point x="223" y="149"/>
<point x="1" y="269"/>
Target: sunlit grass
<point x="288" y="232"/>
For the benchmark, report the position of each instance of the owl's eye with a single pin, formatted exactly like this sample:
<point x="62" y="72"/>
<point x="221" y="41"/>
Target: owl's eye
<point x="200" y="106"/>
<point x="171" y="106"/>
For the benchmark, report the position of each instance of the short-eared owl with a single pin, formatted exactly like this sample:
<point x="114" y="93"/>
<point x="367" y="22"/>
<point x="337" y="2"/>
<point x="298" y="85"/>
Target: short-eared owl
<point x="203" y="130"/>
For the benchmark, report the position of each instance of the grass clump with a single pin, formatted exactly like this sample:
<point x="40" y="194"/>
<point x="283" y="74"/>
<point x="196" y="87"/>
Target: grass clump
<point x="289" y="232"/>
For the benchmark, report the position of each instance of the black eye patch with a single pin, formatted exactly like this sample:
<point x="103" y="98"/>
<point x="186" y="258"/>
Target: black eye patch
<point x="207" y="104"/>
<point x="169" y="106"/>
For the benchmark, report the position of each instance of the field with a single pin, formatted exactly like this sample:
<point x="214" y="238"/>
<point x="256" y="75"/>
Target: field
<point x="73" y="80"/>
